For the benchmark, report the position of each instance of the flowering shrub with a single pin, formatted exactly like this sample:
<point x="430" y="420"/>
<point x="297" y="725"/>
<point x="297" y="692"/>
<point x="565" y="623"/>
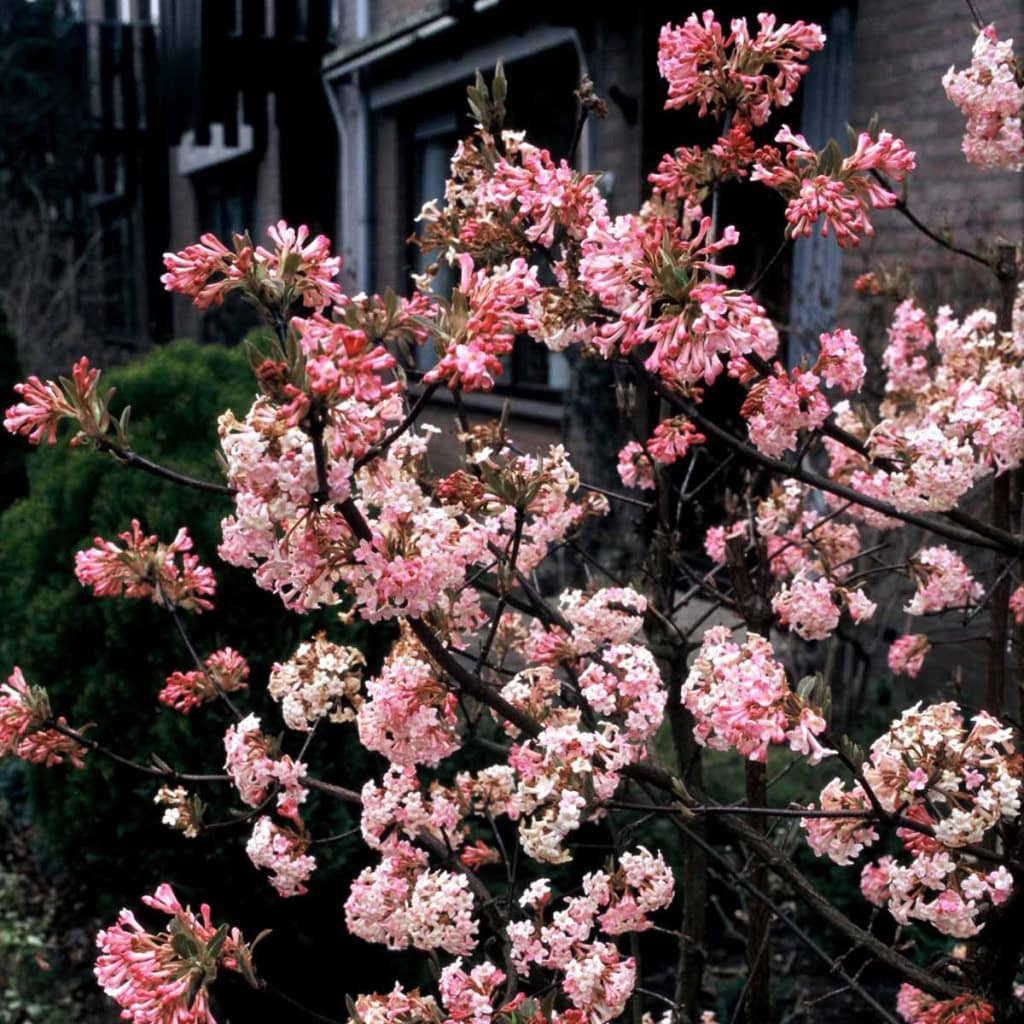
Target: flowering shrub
<point x="514" y="721"/>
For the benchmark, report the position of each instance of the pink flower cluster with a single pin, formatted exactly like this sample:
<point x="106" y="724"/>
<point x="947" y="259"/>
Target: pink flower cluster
<point x="397" y="804"/>
<point x="254" y="770"/>
<point x="778" y="408"/>
<point x="409" y="715"/>
<point x="943" y="581"/>
<point x="298" y="267"/>
<point x="470" y="998"/>
<point x="320" y="680"/>
<point x="685" y="175"/>
<point x="917" y="1007"/>
<point x="541" y="196"/>
<point x="907" y="654"/>
<point x="672" y="439"/>
<point x="281" y="851"/>
<point x="945" y="421"/>
<point x="482" y="324"/>
<point x="163" y="976"/>
<point x="740" y="700"/>
<point x="952" y="784"/>
<point x="659" y="279"/>
<point x="595" y="977"/>
<point x="401" y="903"/>
<point x="636" y="468"/>
<point x="466" y="998"/>
<point x="46" y="404"/>
<point x="342" y="363"/>
<point x="840" y="193"/>
<point x="145" y="567"/>
<point x="749" y="74"/>
<point x="272" y="466"/>
<point x="24" y="732"/>
<point x="841" y="361"/>
<point x="990" y="95"/>
<point x="225" y="669"/>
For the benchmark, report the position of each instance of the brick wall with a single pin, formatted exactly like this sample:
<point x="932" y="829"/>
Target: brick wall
<point x="387" y="14"/>
<point x="901" y="53"/>
<point x="389" y="226"/>
<point x="618" y="142"/>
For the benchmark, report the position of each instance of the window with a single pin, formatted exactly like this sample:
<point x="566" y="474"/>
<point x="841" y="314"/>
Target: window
<point x="224" y="197"/>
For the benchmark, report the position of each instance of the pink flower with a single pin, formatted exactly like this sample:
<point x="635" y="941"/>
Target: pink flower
<point x="189" y="271"/>
<point x="841" y="195"/>
<point x="208" y="270"/>
<point x="377" y="908"/>
<point x="253" y="770"/>
<point x="917" y="1007"/>
<point x="599" y="981"/>
<point x="409" y="715"/>
<point x="469" y="998"/>
<point x="943" y="581"/>
<point x="672" y="439"/>
<point x="341" y="363"/>
<point x="907" y="654"/>
<point x="400" y="903"/>
<point x="187" y="690"/>
<point x="22" y="710"/>
<point x="306" y="265"/>
<point x="682" y="175"/>
<point x="37" y="417"/>
<point x="840" y="839"/>
<point x="705" y="68"/>
<point x="541" y="196"/>
<point x="320" y="680"/>
<point x="145" y="567"/>
<point x="24" y="713"/>
<point x="910" y="337"/>
<point x="398" y="1007"/>
<point x="483" y="322"/>
<point x="642" y="885"/>
<point x="1017" y="605"/>
<point x="398" y="804"/>
<point x="46" y="404"/>
<point x="282" y="852"/>
<point x="808" y="606"/>
<point x="441" y="913"/>
<point x="635" y="467"/>
<point x="874" y="881"/>
<point x="841" y="361"/>
<point x="989" y="93"/>
<point x="717" y="537"/>
<point x="778" y="408"/>
<point x="740" y="699"/>
<point x="164" y="976"/>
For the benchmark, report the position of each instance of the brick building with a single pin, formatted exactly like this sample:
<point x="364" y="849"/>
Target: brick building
<point x="398" y="75"/>
<point x="225" y="114"/>
<point x="248" y="131"/>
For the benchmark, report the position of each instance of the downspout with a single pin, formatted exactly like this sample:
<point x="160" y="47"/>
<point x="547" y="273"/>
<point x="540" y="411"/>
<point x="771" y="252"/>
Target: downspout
<point x="354" y="171"/>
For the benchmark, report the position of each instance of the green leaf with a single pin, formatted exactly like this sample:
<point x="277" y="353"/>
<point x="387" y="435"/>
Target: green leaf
<point x="830" y="159"/>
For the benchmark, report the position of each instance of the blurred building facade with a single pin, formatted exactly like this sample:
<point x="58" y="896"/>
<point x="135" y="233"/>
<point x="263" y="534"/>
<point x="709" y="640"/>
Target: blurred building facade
<point x="400" y="68"/>
<point x="225" y="115"/>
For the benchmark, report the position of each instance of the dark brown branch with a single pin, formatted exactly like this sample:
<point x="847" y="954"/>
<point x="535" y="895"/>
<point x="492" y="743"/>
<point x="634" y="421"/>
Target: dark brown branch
<point x="145" y="769"/>
<point x="833" y="965"/>
<point x="1011" y="544"/>
<point x="135" y="461"/>
<point x="194" y="654"/>
<point x="410" y="418"/>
